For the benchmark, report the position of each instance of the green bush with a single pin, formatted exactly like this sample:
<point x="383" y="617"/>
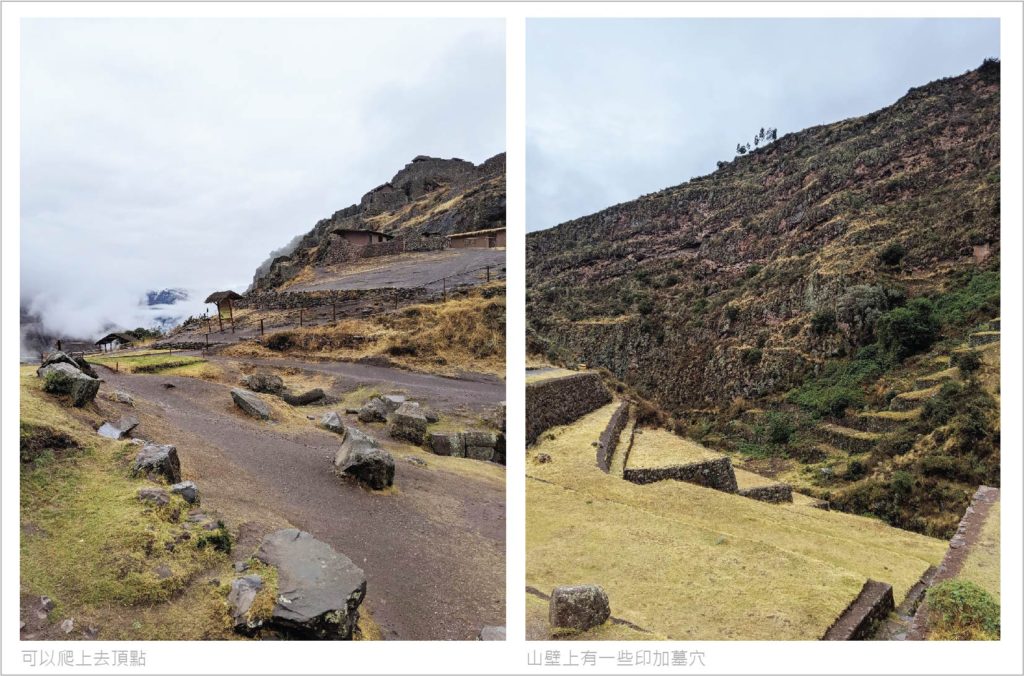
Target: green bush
<point x="909" y="329"/>
<point x="968" y="362"/>
<point x="972" y="298"/>
<point x="839" y="386"/>
<point x="752" y="356"/>
<point x="892" y="253"/>
<point x="776" y="427"/>
<point x="960" y="610"/>
<point x="823" y="322"/>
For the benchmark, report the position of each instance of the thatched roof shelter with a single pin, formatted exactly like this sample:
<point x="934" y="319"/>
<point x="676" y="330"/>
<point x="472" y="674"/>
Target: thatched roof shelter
<point x="219" y="297"/>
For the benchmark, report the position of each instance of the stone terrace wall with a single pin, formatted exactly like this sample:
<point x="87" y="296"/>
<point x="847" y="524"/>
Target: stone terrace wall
<point x="390" y="248"/>
<point x="291" y="300"/>
<point x="560" y="401"/>
<point x="774" y="493"/>
<point x="610" y="437"/>
<point x="715" y="474"/>
<point x="862" y="617"/>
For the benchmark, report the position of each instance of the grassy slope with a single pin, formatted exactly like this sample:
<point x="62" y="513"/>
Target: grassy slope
<point x="88" y="543"/>
<point x="691" y="562"/>
<point x="982" y="564"/>
<point x="661" y="448"/>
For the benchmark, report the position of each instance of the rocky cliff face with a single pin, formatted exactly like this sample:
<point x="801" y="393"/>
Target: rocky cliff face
<point x="428" y="197"/>
<point x="720" y="287"/>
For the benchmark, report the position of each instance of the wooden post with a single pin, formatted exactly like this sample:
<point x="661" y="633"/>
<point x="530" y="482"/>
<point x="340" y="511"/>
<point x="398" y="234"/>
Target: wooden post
<point x="59" y="346"/>
<point x="220" y="319"/>
<point x="261" y="327"/>
<point x="231" y="315"/>
<point x="207" y="341"/>
<point x="488" y="268"/>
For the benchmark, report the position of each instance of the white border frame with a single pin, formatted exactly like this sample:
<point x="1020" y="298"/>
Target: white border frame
<point x="511" y="656"/>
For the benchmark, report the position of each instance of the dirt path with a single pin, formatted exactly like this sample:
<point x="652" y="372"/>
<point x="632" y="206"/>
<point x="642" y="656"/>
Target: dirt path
<point x="433" y="549"/>
<point x="474" y="390"/>
<point x="410" y="270"/>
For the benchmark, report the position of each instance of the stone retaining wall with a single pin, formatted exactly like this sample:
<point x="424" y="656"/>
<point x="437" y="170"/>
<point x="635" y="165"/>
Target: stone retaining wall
<point x="292" y="300"/>
<point x="715" y="474"/>
<point x="610" y="437"/>
<point x="864" y="615"/>
<point x="375" y="249"/>
<point x="560" y="401"/>
<point x="774" y="493"/>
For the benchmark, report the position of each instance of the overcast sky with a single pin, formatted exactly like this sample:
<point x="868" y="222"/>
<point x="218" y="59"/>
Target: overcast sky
<point x="177" y="153"/>
<point x="617" y="108"/>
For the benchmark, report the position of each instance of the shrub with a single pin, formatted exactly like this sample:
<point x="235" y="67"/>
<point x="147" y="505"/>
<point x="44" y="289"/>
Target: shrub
<point x="897" y="444"/>
<point x="968" y="362"/>
<point x="908" y="330"/>
<point x="901" y="484"/>
<point x="973" y="298"/>
<point x="777" y="428"/>
<point x="892" y="253"/>
<point x="960" y="610"/>
<point x="859" y="308"/>
<point x="278" y="342"/>
<point x="823" y="322"/>
<point x="752" y="356"/>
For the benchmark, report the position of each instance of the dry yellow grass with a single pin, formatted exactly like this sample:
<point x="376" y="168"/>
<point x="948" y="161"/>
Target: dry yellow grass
<point x="745" y="479"/>
<point x="691" y="562"/>
<point x="661" y="448"/>
<point x="982" y="564"/>
<point x="548" y="375"/>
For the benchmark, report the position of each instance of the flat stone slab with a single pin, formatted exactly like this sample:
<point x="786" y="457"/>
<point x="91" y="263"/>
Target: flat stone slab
<point x="251" y="404"/>
<point x="119" y="430"/>
<point x="319" y="589"/>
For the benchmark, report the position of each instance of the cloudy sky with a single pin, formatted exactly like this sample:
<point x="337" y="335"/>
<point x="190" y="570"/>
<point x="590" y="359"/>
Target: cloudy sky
<point x="617" y="108"/>
<point x="178" y="153"/>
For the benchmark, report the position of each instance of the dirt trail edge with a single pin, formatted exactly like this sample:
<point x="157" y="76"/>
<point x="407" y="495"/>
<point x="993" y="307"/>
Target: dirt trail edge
<point x="433" y="549"/>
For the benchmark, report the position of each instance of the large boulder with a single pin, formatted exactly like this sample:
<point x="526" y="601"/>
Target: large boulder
<point x="360" y="458"/>
<point x="119" y="430"/>
<point x="578" y="607"/>
<point x="264" y="382"/>
<point x="159" y="461"/>
<point x="408" y="422"/>
<point x="58" y="357"/>
<point x="65" y="378"/>
<point x="332" y="421"/>
<point x="447" y="443"/>
<point x="318" y="589"/>
<point x="251" y="404"/>
<point x="240" y="599"/>
<point x="375" y="410"/>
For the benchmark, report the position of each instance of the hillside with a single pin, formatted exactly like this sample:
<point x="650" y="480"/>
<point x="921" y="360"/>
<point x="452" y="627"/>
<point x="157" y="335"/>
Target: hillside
<point x="427" y="198"/>
<point x="805" y="305"/>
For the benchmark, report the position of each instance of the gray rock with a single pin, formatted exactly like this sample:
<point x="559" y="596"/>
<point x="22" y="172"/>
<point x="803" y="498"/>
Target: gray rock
<point x="64" y="378"/>
<point x="446" y="443"/>
<point x="360" y="458"/>
<point x="578" y="607"/>
<point x="393" y="401"/>
<point x="375" y="410"/>
<point x="480" y="438"/>
<point x="163" y="571"/>
<point x="240" y="598"/>
<point x="492" y="634"/>
<point x="407" y="422"/>
<point x="120" y="429"/>
<point x="332" y="421"/>
<point x="241" y="566"/>
<point x="159" y="460"/>
<point x="264" y="382"/>
<point x="58" y="357"/>
<point x="431" y="416"/>
<point x="319" y="589"/>
<point x="46" y="604"/>
<point x="121" y="397"/>
<point x="485" y="453"/>
<point x="91" y="633"/>
<point x="155" y="496"/>
<point x="67" y="626"/>
<point x="187" y="490"/>
<point x="251" y="404"/>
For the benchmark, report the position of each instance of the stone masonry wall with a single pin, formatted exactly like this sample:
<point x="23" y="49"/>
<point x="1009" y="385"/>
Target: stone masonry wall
<point x="560" y="401"/>
<point x="610" y="437"/>
<point x="864" y="615"/>
<point x="715" y="473"/>
<point x="290" y="300"/>
<point x="775" y="493"/>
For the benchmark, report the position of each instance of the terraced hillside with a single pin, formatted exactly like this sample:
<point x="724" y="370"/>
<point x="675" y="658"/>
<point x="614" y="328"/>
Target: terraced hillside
<point x="680" y="560"/>
<point x="806" y="306"/>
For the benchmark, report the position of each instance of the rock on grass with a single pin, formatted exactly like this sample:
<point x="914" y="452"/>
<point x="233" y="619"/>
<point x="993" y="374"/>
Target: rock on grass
<point x="578" y="607"/>
<point x="251" y="404"/>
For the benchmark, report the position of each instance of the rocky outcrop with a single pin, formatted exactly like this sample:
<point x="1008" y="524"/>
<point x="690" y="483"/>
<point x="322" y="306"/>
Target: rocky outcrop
<point x="319" y="590"/>
<point x="332" y="421"/>
<point x="375" y="410"/>
<point x="560" y="401"/>
<point x="251" y="404"/>
<point x="361" y="458"/>
<point x="158" y="461"/>
<point x="578" y="607"/>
